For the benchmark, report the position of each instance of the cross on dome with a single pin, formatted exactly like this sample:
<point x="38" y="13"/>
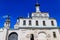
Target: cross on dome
<point x="37" y="6"/>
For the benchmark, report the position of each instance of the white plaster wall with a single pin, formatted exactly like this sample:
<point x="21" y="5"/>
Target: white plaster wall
<point x="40" y="15"/>
<point x="3" y="34"/>
<point x="24" y="34"/>
<point x="40" y="22"/>
<point x="57" y="34"/>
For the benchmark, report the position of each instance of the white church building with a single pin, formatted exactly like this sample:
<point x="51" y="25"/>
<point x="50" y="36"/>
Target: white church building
<point x="37" y="27"/>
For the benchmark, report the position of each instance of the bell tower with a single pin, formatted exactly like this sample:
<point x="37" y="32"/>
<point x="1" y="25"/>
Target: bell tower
<point x="7" y="22"/>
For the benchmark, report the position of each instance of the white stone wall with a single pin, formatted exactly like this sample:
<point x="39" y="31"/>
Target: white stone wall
<point x="40" y="15"/>
<point x="3" y="34"/>
<point x="24" y="34"/>
<point x="33" y="22"/>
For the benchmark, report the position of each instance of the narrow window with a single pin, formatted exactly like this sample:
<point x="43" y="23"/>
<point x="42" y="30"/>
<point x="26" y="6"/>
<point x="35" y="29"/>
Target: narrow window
<point x="24" y="22"/>
<point x="52" y="23"/>
<point x="29" y="22"/>
<point x="32" y="37"/>
<point x="36" y="23"/>
<point x="54" y="34"/>
<point x="44" y="23"/>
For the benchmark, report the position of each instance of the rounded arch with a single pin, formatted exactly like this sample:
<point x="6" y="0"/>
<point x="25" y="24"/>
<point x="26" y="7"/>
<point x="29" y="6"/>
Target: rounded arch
<point x="42" y="35"/>
<point x="13" y="33"/>
<point x="42" y="32"/>
<point x="13" y="36"/>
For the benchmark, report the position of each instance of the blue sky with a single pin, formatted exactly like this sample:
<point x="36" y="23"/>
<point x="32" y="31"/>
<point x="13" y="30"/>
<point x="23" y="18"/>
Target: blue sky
<point x="18" y="8"/>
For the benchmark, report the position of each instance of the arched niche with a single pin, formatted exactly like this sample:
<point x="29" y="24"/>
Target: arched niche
<point x="42" y="35"/>
<point x="13" y="36"/>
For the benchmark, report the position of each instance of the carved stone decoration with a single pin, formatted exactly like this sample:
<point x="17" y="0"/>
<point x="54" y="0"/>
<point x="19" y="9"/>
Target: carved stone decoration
<point x="28" y="36"/>
<point x="48" y="36"/>
<point x="36" y="35"/>
<point x="42" y="36"/>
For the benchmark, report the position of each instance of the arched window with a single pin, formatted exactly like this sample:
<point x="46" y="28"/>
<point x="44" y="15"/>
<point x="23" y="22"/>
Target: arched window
<point x="44" y="23"/>
<point x="13" y="36"/>
<point x="29" y="22"/>
<point x="24" y="22"/>
<point x="52" y="23"/>
<point x="54" y="34"/>
<point x="32" y="37"/>
<point x="37" y="23"/>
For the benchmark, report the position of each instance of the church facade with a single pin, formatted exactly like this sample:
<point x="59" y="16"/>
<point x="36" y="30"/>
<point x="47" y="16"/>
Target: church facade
<point x="37" y="27"/>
